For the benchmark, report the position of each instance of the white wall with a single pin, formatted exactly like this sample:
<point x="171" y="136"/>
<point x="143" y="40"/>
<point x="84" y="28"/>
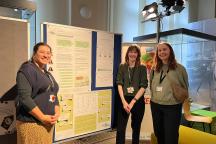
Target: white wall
<point x="125" y="15"/>
<point x="55" y="11"/>
<point x="206" y="9"/>
<point x="125" y="18"/>
<point x="91" y="14"/>
<point x="201" y="10"/>
<point x="7" y="12"/>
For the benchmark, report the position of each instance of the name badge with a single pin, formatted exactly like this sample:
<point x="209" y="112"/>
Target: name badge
<point x="159" y="88"/>
<point x="52" y="98"/>
<point x="130" y="89"/>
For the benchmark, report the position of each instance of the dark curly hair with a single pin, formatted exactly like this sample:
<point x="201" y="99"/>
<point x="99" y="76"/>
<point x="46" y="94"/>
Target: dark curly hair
<point x="36" y="47"/>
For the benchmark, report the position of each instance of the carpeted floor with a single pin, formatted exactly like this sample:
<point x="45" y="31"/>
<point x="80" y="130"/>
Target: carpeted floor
<point x="102" y="138"/>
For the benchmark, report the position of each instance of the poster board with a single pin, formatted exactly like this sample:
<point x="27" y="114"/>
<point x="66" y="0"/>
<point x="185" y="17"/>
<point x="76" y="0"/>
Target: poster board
<point x="14" y="50"/>
<point x="83" y="110"/>
<point x="14" y="46"/>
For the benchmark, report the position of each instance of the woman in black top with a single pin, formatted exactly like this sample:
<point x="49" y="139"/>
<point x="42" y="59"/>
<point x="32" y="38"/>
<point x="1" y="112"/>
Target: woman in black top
<point x="132" y="82"/>
<point x="38" y="106"/>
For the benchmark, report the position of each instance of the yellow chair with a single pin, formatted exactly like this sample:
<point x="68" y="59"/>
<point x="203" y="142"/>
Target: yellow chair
<point x="191" y="136"/>
<point x="194" y="118"/>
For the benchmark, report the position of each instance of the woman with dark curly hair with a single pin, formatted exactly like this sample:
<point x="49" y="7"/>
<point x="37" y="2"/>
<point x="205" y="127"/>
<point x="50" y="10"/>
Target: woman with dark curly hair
<point x="38" y="105"/>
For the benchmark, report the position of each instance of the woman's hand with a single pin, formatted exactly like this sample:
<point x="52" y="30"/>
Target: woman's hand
<point x="48" y="120"/>
<point x="126" y="107"/>
<point x="55" y="118"/>
<point x="57" y="114"/>
<point x="130" y="106"/>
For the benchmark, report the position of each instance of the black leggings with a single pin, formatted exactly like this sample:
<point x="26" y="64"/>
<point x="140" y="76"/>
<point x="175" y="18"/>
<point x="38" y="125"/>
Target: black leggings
<point x="166" y="122"/>
<point x="137" y="114"/>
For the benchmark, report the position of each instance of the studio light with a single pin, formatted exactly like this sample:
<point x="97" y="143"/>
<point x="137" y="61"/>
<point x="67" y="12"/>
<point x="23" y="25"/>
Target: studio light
<point x="168" y="4"/>
<point x="150" y="11"/>
<point x="179" y="6"/>
<point x="172" y="6"/>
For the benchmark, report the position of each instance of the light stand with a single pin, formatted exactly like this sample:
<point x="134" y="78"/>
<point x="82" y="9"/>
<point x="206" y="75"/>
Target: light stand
<point x="158" y="29"/>
<point x="150" y="13"/>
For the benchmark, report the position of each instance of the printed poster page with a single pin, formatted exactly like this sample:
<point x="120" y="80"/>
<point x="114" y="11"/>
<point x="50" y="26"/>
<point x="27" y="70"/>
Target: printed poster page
<point x="104" y="59"/>
<point x="91" y="112"/>
<point x="78" y="117"/>
<point x="71" y="59"/>
<point x="104" y="109"/>
<point x="85" y="113"/>
<point x="70" y="65"/>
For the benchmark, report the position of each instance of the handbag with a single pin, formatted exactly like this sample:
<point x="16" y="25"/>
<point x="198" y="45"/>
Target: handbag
<point x="180" y="93"/>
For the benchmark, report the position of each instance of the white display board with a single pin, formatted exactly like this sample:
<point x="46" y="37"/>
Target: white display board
<point x="14" y="50"/>
<point x="14" y="44"/>
<point x="83" y="111"/>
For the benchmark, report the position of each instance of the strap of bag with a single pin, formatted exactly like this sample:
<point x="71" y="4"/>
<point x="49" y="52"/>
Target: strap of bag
<point x="151" y="77"/>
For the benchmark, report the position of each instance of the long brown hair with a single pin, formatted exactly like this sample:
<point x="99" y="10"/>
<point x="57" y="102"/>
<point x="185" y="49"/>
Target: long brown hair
<point x="172" y="63"/>
<point x="133" y="48"/>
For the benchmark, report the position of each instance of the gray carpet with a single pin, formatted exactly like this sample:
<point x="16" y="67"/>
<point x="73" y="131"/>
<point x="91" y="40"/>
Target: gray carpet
<point x="102" y="138"/>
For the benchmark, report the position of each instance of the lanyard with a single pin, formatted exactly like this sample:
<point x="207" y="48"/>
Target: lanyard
<point x="130" y="75"/>
<point x="162" y="77"/>
<point x="51" y="79"/>
<point x="46" y="74"/>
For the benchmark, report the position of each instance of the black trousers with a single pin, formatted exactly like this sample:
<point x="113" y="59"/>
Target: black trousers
<point x="137" y="114"/>
<point x="166" y="122"/>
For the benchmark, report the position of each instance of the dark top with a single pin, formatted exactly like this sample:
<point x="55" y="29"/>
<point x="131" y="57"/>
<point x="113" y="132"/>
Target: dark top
<point x="35" y="88"/>
<point x="135" y="77"/>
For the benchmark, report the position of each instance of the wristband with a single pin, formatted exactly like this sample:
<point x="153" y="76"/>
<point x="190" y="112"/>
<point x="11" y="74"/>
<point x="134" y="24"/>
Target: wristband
<point x="134" y="99"/>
